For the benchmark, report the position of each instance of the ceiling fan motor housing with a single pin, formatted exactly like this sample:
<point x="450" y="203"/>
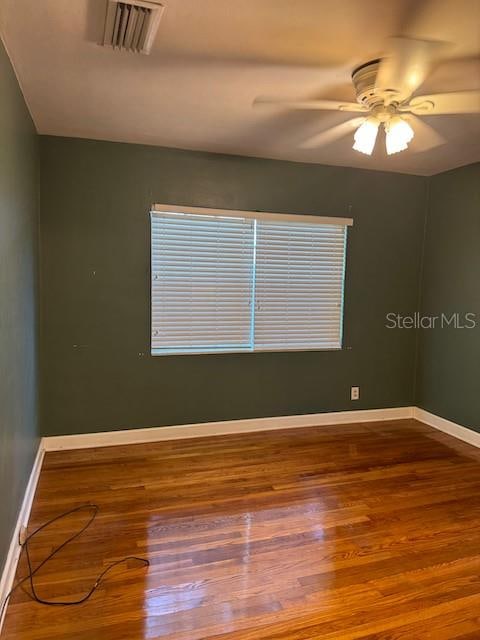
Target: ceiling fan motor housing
<point x="363" y="79"/>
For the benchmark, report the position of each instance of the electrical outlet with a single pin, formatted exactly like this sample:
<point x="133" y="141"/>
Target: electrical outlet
<point x="355" y="393"/>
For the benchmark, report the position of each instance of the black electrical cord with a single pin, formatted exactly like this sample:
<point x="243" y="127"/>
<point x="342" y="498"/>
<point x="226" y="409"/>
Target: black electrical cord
<point x="31" y="572"/>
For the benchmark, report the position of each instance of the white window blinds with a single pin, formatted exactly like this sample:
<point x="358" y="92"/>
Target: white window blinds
<point x="201" y="283"/>
<point x="299" y="286"/>
<point x="245" y="281"/>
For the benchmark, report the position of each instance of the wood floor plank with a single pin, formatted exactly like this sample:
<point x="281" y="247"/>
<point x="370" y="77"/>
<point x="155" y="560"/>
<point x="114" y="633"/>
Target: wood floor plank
<point x="363" y="531"/>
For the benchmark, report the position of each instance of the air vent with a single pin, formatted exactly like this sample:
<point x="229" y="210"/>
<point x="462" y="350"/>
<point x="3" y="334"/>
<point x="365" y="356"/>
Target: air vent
<point x="132" y="25"/>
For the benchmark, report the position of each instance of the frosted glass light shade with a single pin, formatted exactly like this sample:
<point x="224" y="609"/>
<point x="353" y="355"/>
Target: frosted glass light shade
<point x="366" y="135"/>
<point x="399" y="134"/>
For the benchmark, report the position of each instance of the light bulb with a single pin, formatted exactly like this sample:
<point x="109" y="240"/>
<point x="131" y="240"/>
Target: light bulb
<point x="365" y="136"/>
<point x="399" y="133"/>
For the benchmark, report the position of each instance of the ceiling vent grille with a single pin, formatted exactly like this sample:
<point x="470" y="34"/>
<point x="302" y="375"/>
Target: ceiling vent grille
<point x="132" y="25"/>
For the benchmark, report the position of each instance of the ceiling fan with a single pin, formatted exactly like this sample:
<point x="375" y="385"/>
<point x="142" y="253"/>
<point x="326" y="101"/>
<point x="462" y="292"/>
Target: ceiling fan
<point x="384" y="89"/>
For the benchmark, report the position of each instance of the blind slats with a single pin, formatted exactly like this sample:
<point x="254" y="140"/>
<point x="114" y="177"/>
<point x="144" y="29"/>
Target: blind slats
<point x="233" y="284"/>
<point x="299" y="285"/>
<point x="201" y="282"/>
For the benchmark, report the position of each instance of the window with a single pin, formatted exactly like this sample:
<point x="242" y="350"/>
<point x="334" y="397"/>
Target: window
<point x="202" y="270"/>
<point x="226" y="281"/>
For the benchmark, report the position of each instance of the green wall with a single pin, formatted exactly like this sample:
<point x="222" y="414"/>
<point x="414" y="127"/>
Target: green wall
<point x="448" y="378"/>
<point x="18" y="299"/>
<point x="97" y="373"/>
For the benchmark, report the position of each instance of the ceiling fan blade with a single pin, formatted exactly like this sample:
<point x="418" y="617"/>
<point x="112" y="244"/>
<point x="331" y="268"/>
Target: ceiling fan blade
<point x="452" y="21"/>
<point x="322" y="105"/>
<point x="445" y="103"/>
<point x="332" y="134"/>
<point x="405" y="67"/>
<point x="425" y="136"/>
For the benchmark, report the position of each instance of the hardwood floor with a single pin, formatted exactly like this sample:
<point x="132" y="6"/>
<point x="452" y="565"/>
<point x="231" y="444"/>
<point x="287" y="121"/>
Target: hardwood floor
<point x="363" y="531"/>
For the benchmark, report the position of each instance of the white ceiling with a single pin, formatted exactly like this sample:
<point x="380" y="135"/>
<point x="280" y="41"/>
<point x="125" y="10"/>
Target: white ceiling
<point x="211" y="58"/>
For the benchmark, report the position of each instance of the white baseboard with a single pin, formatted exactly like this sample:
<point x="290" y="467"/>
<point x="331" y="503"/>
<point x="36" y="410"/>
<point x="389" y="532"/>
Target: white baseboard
<point x="13" y="555"/>
<point x="452" y="428"/>
<point x="156" y="434"/>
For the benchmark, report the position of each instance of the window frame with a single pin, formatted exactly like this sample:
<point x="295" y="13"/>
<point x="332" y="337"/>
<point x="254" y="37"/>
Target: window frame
<point x="159" y="209"/>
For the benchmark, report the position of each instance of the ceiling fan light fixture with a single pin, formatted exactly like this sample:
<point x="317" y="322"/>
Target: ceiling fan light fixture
<point x="366" y="135"/>
<point x="399" y="134"/>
